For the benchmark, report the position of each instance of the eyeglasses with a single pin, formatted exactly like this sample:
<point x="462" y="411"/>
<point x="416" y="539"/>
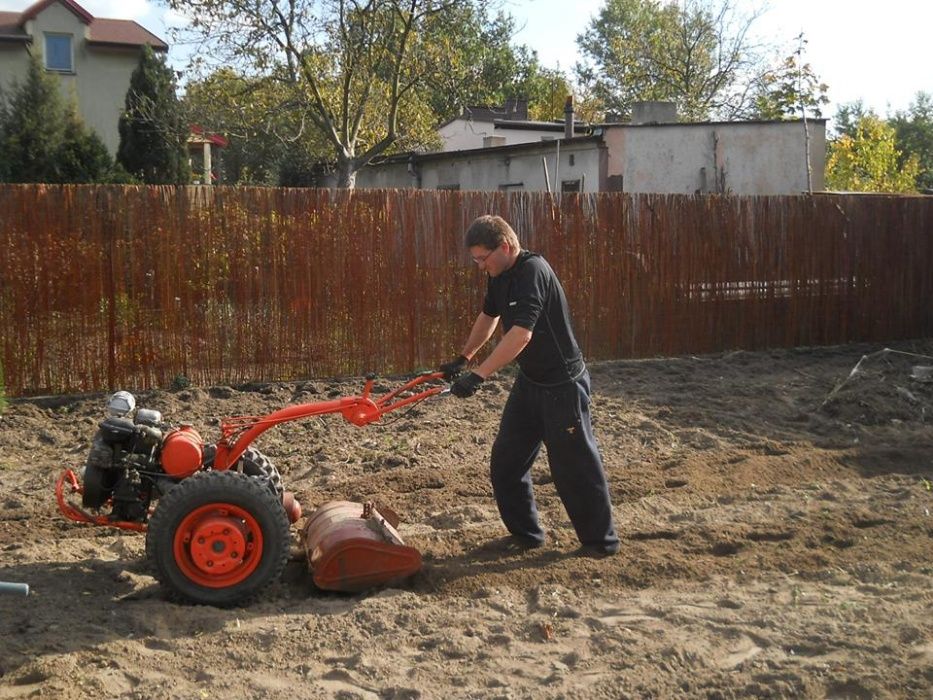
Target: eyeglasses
<point x="482" y="258"/>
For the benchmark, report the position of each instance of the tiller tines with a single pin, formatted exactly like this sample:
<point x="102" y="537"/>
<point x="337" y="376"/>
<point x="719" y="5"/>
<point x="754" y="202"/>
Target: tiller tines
<point x="355" y="546"/>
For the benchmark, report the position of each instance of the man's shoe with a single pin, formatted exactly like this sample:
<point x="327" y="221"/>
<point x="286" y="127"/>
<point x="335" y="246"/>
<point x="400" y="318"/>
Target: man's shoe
<point x="513" y="543"/>
<point x="527" y="542"/>
<point x="599" y="550"/>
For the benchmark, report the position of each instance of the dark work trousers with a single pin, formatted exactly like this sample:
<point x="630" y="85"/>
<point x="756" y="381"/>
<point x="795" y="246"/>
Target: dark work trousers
<point x="558" y="416"/>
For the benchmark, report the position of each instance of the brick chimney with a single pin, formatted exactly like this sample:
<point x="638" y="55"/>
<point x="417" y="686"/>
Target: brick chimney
<point x="516" y="109"/>
<point x="654" y="112"/>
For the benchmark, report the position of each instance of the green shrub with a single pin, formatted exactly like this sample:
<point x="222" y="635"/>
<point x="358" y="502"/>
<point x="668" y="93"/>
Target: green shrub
<point x="180" y="382"/>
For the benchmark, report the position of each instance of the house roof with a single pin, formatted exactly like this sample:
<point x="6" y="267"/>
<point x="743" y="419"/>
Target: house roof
<point x="629" y="125"/>
<point x="199" y="136"/>
<point x="10" y="27"/>
<point x="501" y="150"/>
<point x="102" y="32"/>
<point x="578" y="127"/>
<point x="513" y="109"/>
<point x="124" y="33"/>
<point x="37" y="8"/>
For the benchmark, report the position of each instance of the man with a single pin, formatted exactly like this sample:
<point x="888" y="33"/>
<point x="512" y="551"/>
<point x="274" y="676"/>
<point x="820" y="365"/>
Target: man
<point x="549" y="401"/>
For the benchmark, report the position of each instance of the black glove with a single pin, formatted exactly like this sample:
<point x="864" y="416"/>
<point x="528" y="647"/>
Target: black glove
<point x="454" y="367"/>
<point x="466" y="385"/>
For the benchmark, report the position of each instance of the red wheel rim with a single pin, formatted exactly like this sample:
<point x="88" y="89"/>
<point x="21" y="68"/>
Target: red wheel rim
<point x="218" y="545"/>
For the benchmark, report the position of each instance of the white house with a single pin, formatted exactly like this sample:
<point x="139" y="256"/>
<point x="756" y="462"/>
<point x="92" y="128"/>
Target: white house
<point x="93" y="57"/>
<point x="652" y="153"/>
<point x="485" y="127"/>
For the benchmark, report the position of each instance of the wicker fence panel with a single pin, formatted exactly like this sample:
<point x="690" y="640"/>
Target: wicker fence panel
<point x="106" y="286"/>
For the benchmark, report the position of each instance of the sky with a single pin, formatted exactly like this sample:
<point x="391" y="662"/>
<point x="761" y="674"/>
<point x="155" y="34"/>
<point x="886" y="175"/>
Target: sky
<point x="880" y="53"/>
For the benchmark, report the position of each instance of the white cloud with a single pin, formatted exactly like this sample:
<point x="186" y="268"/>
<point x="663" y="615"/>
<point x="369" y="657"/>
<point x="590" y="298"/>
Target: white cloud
<point x="118" y="9"/>
<point x="173" y="18"/>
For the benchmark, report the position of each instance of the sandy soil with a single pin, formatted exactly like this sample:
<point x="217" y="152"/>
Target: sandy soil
<point x="775" y="544"/>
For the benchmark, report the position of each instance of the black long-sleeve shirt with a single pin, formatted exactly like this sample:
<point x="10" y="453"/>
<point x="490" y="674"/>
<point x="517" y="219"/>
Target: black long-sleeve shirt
<point x="529" y="295"/>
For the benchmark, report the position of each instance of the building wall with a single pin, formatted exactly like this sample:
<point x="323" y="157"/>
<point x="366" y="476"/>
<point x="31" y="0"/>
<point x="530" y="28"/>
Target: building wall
<point x="14" y="63"/>
<point x="101" y="75"/>
<point x="492" y="170"/>
<point x="743" y="158"/>
<point x="763" y="158"/>
<point x="102" y="90"/>
<point x="462" y="134"/>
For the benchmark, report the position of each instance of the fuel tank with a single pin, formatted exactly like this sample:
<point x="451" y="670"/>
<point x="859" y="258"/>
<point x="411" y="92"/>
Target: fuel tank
<point x="182" y="452"/>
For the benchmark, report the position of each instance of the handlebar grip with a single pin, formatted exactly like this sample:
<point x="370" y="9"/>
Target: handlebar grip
<point x="14" y="588"/>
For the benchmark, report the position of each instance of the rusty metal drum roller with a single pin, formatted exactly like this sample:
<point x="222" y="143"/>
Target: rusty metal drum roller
<point x="354" y="546"/>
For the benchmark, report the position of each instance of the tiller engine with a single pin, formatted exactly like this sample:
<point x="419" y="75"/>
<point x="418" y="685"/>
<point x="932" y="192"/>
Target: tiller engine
<point x="216" y="516"/>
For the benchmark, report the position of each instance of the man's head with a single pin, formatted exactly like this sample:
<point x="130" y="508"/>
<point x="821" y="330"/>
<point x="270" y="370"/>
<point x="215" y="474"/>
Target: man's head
<point x="493" y="244"/>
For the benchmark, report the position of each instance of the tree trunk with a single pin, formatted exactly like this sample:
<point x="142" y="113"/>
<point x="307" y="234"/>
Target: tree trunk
<point x="345" y="176"/>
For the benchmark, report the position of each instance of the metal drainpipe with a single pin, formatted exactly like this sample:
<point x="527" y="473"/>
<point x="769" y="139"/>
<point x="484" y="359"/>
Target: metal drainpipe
<point x="414" y="171"/>
<point x="568" y="117"/>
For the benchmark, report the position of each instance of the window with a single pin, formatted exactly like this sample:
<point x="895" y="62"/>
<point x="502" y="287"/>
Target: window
<point x="511" y="186"/>
<point x="58" y="53"/>
<point x="448" y="187"/>
<point x="570" y="186"/>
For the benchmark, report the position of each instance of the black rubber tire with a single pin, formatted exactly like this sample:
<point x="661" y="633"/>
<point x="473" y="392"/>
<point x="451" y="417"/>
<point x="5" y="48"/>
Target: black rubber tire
<point x="253" y="463"/>
<point x="200" y="491"/>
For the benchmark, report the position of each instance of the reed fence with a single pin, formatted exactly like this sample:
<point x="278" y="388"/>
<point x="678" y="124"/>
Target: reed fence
<point x="138" y="287"/>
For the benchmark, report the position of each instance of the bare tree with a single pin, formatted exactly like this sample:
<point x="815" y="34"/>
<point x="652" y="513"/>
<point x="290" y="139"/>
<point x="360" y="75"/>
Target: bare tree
<point x="351" y="66"/>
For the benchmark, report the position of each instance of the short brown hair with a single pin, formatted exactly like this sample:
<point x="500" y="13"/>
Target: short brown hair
<point x="490" y="232"/>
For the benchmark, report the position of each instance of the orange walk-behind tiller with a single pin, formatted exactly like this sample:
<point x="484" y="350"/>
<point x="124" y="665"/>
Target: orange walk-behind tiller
<point x="216" y="516"/>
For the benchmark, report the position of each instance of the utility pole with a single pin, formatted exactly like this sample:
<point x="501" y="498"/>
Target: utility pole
<point x="801" y="42"/>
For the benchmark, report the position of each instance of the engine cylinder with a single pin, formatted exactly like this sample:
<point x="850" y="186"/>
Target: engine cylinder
<point x="182" y="452"/>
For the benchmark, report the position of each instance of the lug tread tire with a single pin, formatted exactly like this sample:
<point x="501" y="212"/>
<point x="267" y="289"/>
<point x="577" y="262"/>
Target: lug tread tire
<point x="203" y="489"/>
<point x="253" y="463"/>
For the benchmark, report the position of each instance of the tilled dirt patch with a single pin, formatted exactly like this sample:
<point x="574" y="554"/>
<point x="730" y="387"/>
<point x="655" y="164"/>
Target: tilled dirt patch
<point x="774" y="510"/>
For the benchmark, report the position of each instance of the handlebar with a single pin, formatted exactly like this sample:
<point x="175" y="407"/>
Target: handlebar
<point x="239" y="432"/>
<point x="14" y="588"/>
